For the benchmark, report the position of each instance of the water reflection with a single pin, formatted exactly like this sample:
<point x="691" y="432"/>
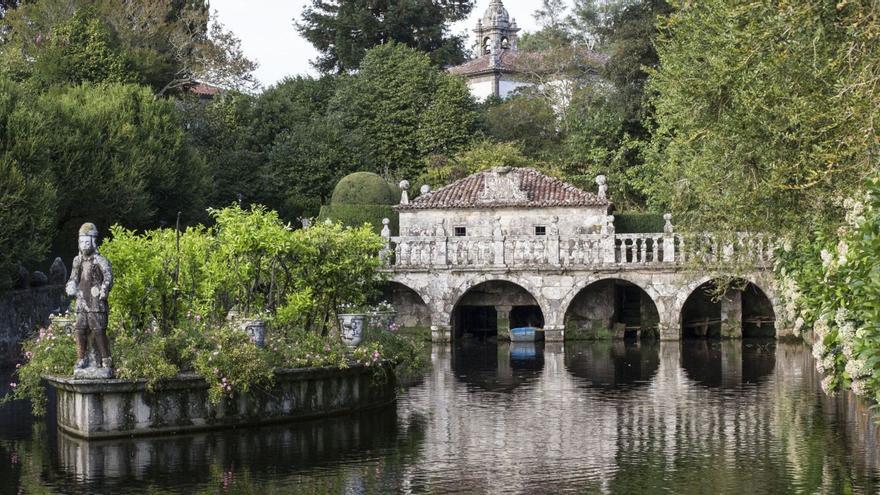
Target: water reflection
<point x="613" y="365"/>
<point x="600" y="417"/>
<point x="501" y="366"/>
<point x="728" y="364"/>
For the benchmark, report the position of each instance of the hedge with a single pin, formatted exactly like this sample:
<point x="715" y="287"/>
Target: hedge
<point x="638" y="223"/>
<point x="357" y="215"/>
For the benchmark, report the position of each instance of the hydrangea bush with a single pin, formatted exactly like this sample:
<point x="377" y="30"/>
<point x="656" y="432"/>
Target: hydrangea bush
<point x="830" y="285"/>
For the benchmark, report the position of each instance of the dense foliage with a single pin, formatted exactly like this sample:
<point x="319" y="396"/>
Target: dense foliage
<point x="769" y="132"/>
<point x="175" y="292"/>
<point x="767" y="118"/>
<point x="344" y="31"/>
<point x="164" y="44"/>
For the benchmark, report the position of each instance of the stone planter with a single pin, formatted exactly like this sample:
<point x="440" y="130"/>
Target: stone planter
<point x="112" y="408"/>
<point x="351" y="328"/>
<point x="256" y="330"/>
<point x="62" y="323"/>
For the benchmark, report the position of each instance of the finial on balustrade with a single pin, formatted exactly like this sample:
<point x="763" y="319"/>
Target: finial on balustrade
<point x="667" y="227"/>
<point x="609" y="225"/>
<point x="602" y="182"/>
<point x="425" y="189"/>
<point x="404" y="196"/>
<point x="386" y="230"/>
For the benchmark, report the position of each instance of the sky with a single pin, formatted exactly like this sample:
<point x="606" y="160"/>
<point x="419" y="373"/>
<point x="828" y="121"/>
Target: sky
<point x="268" y="36"/>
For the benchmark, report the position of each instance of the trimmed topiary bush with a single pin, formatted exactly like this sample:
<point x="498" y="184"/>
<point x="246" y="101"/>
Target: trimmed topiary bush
<point x="362" y="197"/>
<point x="638" y="223"/>
<point x="362" y="188"/>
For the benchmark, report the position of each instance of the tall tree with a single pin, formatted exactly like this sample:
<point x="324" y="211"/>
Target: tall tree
<point x="343" y="31"/>
<point x="767" y="112"/>
<point x="114" y="153"/>
<point x="407" y="108"/>
<point x="167" y="44"/>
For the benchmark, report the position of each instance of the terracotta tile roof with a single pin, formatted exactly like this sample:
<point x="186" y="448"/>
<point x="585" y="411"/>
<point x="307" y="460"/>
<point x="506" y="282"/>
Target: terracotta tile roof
<point x="204" y="89"/>
<point x="518" y="61"/>
<point x="534" y="190"/>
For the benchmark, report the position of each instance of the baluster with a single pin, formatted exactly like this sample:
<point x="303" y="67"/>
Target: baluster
<point x="643" y="249"/>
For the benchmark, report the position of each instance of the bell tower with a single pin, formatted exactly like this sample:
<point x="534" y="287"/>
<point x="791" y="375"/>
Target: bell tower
<point x="496" y="31"/>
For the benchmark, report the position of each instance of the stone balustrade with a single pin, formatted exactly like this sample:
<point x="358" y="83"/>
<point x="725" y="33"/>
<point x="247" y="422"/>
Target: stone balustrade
<point x="579" y="251"/>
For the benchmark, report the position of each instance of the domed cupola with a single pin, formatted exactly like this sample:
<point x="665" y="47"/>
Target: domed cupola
<point x="496" y="14"/>
<point x="496" y="31"/>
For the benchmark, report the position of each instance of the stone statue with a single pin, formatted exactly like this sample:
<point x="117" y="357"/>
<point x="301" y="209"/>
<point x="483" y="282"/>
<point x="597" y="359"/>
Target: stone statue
<point x="667" y="227"/>
<point x="90" y="282"/>
<point x="602" y="182"/>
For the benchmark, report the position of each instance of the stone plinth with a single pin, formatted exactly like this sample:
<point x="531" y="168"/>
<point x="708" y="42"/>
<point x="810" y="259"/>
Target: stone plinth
<point x="118" y="408"/>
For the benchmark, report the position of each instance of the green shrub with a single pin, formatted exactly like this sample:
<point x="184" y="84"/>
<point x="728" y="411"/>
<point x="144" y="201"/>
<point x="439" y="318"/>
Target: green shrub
<point x="358" y="215"/>
<point x="173" y="291"/>
<point x="363" y="188"/>
<point x="638" y="223"/>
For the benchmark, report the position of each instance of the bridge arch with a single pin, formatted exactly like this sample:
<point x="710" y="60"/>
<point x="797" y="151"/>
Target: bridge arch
<point x="412" y="308"/>
<point x="615" y="306"/>
<point x="747" y="310"/>
<point x="492" y="299"/>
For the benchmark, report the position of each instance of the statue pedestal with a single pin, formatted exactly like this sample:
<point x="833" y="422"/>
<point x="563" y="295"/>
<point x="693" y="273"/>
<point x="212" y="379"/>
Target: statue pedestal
<point x="92" y="373"/>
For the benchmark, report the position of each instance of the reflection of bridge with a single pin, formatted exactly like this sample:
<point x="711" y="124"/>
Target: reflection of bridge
<point x="577" y="280"/>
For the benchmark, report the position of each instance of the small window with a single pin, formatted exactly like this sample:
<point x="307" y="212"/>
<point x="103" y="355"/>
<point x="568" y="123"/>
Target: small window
<point x="540" y="230"/>
<point x="460" y="231"/>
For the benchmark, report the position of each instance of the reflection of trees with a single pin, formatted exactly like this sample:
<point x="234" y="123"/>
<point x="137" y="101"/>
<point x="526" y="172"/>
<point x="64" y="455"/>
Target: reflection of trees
<point x="613" y="365"/>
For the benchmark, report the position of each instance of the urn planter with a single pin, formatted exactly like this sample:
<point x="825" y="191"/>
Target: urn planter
<point x="351" y="328"/>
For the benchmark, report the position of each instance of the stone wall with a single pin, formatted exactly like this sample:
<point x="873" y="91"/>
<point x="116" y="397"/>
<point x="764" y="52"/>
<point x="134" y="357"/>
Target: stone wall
<point x="121" y="408"/>
<point x="514" y="221"/>
<point x="22" y="311"/>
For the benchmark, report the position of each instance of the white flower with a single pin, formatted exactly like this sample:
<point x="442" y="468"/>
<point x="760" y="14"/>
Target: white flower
<point x="859" y="387"/>
<point x="842" y="316"/>
<point x="827" y="362"/>
<point x="826" y="258"/>
<point x="786" y="246"/>
<point x="857" y="368"/>
<point x="818" y="349"/>
<point x="842" y="250"/>
<point x="826" y="385"/>
<point x="821" y="328"/>
<point x="848" y="350"/>
<point x="798" y="324"/>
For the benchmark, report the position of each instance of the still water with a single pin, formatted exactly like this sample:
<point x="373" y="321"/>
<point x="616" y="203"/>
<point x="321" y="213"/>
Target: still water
<point x="690" y="417"/>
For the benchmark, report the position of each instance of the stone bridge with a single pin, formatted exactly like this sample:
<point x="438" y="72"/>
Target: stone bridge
<point x="612" y="283"/>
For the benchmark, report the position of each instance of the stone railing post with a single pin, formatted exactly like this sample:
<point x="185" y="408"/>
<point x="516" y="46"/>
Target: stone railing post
<point x="608" y="242"/>
<point x="385" y="252"/>
<point x="668" y="239"/>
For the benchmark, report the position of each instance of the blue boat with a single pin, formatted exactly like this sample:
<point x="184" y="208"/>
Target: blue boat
<point x="526" y="334"/>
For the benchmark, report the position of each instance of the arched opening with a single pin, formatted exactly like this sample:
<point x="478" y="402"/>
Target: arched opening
<point x="487" y="46"/>
<point x="490" y="309"/>
<point x="505" y="43"/>
<point x="411" y="311"/>
<point x="739" y="309"/>
<point x="611" y="308"/>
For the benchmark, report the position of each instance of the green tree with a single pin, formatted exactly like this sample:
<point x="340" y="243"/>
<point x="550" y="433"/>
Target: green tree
<point x="288" y="105"/>
<point x="396" y="93"/>
<point x="767" y="114"/>
<point x="526" y="119"/>
<point x="344" y="31"/>
<point x="114" y="152"/>
<point x="482" y="155"/>
<point x="166" y="44"/>
<point x="27" y="218"/>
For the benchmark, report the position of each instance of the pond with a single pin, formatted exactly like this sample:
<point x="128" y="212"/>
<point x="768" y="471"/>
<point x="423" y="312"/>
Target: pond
<point x="592" y="417"/>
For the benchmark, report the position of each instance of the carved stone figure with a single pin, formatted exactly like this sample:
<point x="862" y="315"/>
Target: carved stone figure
<point x="602" y="182"/>
<point x="57" y="272"/>
<point x="667" y="227"/>
<point x="90" y="282"/>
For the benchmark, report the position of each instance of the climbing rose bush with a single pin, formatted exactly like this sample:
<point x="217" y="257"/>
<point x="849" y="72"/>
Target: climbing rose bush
<point x="830" y="285"/>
